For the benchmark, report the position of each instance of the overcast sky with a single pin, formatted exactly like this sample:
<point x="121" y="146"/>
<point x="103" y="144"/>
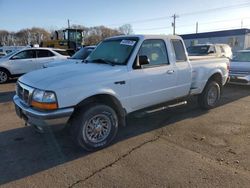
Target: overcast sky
<point x="146" y="16"/>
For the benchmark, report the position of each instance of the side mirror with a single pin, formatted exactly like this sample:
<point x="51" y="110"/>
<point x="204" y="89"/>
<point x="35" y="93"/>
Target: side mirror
<point x="211" y="52"/>
<point x="143" y="60"/>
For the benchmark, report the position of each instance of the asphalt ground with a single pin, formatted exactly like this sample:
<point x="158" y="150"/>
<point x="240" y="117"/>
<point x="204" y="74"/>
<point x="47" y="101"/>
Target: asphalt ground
<point x="178" y="147"/>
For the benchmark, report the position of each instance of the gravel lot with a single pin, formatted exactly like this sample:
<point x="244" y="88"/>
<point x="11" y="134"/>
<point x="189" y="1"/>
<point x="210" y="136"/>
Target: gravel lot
<point x="181" y="147"/>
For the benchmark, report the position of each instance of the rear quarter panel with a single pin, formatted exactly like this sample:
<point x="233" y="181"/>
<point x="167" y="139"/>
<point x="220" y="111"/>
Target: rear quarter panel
<point x="205" y="69"/>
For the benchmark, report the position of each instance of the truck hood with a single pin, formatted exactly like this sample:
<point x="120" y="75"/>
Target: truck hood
<point x="71" y="75"/>
<point x="241" y="66"/>
<point x="62" y="62"/>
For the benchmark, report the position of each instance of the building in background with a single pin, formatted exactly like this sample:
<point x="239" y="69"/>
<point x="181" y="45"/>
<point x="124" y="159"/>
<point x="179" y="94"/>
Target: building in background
<point x="238" y="39"/>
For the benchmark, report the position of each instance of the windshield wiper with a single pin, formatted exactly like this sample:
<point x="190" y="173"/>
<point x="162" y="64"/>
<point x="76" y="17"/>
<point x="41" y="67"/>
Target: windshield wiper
<point x="103" y="61"/>
<point x="85" y="61"/>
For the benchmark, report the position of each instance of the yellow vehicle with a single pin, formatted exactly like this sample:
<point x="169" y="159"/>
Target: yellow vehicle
<point x="69" y="39"/>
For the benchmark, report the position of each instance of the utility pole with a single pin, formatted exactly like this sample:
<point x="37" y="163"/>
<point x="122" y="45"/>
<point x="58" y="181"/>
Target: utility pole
<point x="174" y="22"/>
<point x="68" y="24"/>
<point x="197" y="27"/>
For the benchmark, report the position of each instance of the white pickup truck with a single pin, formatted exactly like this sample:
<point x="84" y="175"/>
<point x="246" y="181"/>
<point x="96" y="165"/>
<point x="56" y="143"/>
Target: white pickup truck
<point x="122" y="75"/>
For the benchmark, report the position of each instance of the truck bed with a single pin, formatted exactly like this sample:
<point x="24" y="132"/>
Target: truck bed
<point x="202" y="68"/>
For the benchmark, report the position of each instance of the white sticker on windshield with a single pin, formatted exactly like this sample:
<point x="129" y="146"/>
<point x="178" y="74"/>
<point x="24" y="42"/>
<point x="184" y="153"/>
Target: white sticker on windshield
<point x="128" y="42"/>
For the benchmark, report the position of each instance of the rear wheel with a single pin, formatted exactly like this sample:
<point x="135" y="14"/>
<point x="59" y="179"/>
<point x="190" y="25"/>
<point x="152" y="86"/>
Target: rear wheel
<point x="4" y="76"/>
<point x="94" y="127"/>
<point x="210" y="96"/>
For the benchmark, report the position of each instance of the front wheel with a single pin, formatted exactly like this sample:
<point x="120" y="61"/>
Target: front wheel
<point x="210" y="96"/>
<point x="94" y="127"/>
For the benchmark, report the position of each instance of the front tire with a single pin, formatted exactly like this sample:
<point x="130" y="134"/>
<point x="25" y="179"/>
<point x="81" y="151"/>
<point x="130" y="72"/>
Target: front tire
<point x="210" y="96"/>
<point x="94" y="127"/>
<point x="4" y="76"/>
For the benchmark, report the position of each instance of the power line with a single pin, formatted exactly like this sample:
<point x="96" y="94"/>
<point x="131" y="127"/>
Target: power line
<point x="242" y="5"/>
<point x="190" y="25"/>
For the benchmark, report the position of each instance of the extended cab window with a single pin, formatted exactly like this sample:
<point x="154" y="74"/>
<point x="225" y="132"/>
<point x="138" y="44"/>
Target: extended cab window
<point x="27" y="54"/>
<point x="156" y="52"/>
<point x="44" y="53"/>
<point x="180" y="54"/>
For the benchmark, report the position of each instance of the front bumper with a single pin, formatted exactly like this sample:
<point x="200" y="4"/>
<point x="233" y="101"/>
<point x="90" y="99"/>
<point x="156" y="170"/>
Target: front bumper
<point x="41" y="118"/>
<point x="240" y="79"/>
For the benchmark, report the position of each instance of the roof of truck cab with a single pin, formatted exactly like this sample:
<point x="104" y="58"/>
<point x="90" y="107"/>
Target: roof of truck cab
<point x="143" y="37"/>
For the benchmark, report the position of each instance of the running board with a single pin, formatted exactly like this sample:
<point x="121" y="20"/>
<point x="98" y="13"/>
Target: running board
<point x="147" y="112"/>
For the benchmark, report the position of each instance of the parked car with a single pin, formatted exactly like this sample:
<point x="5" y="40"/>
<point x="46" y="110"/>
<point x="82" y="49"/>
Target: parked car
<point x="2" y="54"/>
<point x="9" y="49"/>
<point x="78" y="57"/>
<point x="200" y="51"/>
<point x="26" y="60"/>
<point x="122" y="75"/>
<point x="240" y="68"/>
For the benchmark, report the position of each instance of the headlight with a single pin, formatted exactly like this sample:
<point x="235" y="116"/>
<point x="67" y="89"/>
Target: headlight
<point x="38" y="95"/>
<point x="45" y="100"/>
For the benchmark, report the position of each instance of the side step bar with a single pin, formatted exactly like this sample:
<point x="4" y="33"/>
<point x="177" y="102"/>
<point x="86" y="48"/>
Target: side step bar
<point x="147" y="112"/>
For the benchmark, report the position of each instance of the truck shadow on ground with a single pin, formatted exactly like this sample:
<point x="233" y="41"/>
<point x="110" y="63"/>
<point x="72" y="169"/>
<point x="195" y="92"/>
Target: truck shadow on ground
<point x="6" y="96"/>
<point x="24" y="152"/>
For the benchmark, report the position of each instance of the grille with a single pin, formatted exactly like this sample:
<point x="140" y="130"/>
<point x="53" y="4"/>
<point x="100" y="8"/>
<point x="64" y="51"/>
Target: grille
<point x="24" y="92"/>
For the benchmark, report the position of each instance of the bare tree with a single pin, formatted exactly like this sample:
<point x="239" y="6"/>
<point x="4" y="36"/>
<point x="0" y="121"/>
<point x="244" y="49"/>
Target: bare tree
<point x="3" y="37"/>
<point x="126" y="29"/>
<point x="35" y="35"/>
<point x="97" y="34"/>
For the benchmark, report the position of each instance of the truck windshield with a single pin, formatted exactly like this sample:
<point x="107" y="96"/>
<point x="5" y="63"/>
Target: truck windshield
<point x="198" y="50"/>
<point x="116" y="51"/>
<point x="242" y="56"/>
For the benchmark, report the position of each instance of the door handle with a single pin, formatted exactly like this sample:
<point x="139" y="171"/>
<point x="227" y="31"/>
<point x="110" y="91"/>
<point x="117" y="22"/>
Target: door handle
<point x="170" y="71"/>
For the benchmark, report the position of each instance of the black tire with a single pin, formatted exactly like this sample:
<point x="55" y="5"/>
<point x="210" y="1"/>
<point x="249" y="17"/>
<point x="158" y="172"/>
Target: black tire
<point x="210" y="96"/>
<point x="92" y="121"/>
<point x="4" y="76"/>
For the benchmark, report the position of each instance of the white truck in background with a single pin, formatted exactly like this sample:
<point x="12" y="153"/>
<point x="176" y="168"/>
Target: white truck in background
<point x="122" y="75"/>
<point x="206" y="51"/>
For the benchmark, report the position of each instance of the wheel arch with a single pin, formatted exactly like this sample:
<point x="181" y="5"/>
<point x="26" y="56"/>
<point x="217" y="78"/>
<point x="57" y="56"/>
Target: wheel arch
<point x="2" y="68"/>
<point x="216" y="77"/>
<point x="106" y="99"/>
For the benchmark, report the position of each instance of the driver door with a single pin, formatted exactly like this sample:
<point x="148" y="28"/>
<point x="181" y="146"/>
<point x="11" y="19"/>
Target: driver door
<point x="153" y="83"/>
<point x="23" y="62"/>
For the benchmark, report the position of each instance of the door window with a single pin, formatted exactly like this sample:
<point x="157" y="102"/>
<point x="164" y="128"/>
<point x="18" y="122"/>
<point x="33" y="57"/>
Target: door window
<point x="156" y="52"/>
<point x="44" y="53"/>
<point x="27" y="54"/>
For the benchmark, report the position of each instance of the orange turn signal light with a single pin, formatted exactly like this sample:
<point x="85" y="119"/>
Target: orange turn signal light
<point x="44" y="106"/>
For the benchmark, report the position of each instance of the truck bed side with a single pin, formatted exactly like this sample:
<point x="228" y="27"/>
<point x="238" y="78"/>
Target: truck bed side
<point x="205" y="69"/>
